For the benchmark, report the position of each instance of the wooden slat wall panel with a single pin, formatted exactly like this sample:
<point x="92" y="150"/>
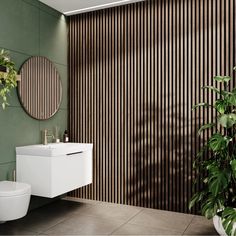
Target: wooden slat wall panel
<point x="135" y="71"/>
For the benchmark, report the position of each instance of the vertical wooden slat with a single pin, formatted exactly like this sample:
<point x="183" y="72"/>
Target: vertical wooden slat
<point x="134" y="73"/>
<point x="109" y="107"/>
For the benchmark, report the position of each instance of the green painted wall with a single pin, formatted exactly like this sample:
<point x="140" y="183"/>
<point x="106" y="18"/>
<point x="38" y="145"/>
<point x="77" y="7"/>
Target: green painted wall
<point x="29" y="28"/>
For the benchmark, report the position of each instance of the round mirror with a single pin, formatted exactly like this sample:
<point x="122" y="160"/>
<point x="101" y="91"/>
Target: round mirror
<point x="40" y="88"/>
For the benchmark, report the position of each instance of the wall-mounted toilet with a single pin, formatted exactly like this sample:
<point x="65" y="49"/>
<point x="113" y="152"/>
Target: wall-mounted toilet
<point x="14" y="200"/>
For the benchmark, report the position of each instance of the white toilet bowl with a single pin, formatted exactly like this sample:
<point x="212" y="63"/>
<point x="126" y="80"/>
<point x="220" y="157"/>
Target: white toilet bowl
<point x="14" y="200"/>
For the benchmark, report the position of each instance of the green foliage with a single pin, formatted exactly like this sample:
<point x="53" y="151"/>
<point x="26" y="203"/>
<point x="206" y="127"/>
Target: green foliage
<point x="216" y="90"/>
<point x="211" y="205"/>
<point x="203" y="104"/>
<point x="228" y="220"/>
<point x="233" y="166"/>
<point x="218" y="179"/>
<point x="216" y="161"/>
<point x="227" y="120"/>
<point x="206" y="126"/>
<point x="217" y="142"/>
<point x="222" y="79"/>
<point x="220" y="106"/>
<point x="8" y="81"/>
<point x="232" y="99"/>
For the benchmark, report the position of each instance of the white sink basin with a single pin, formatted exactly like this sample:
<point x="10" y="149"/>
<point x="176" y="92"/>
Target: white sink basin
<point x="53" y="149"/>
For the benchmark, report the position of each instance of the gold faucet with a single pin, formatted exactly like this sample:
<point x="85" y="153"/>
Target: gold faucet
<point x="45" y="136"/>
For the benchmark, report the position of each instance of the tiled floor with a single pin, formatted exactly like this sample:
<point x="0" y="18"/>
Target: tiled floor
<point x="81" y="217"/>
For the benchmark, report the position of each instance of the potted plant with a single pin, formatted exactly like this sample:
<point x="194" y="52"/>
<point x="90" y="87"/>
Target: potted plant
<point x="216" y="161"/>
<point x="8" y="77"/>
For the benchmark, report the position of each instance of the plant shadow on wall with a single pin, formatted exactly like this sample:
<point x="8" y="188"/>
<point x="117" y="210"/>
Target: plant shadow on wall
<point x="164" y="147"/>
<point x="218" y="193"/>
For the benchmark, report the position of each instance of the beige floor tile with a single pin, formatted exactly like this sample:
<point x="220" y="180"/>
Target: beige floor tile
<point x="111" y="211"/>
<point x="85" y="225"/>
<point x="200" y="226"/>
<point x="130" y="229"/>
<point x="162" y="220"/>
<point x="202" y="220"/>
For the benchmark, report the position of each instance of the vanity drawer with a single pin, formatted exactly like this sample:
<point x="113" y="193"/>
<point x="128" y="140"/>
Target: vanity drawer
<point x="70" y="172"/>
<point x="54" y="176"/>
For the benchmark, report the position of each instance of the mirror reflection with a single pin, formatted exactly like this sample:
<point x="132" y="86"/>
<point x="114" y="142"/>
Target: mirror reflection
<point x="40" y="89"/>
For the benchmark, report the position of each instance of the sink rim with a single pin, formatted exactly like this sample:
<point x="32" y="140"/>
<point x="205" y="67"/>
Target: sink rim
<point x="53" y="149"/>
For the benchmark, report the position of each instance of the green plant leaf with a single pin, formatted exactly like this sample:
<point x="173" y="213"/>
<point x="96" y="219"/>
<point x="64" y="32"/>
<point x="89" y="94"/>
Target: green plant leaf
<point x="224" y="79"/>
<point x="216" y="90"/>
<point x="218" y="179"/>
<point x="234" y="68"/>
<point x="228" y="220"/>
<point x="228" y="226"/>
<point x="203" y="104"/>
<point x="197" y="197"/>
<point x="193" y="200"/>
<point x="211" y="205"/>
<point x="206" y="126"/>
<point x="217" y="142"/>
<point x="217" y="183"/>
<point x="220" y="106"/>
<point x="233" y="166"/>
<point x="232" y="99"/>
<point x="227" y="120"/>
<point x="228" y="211"/>
<point x="208" y="210"/>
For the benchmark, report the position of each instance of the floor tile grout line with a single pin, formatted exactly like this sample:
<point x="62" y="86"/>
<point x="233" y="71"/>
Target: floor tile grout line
<point x="99" y="203"/>
<point x="44" y="231"/>
<point x="181" y="233"/>
<point x="188" y="225"/>
<point x="68" y="217"/>
<point x="159" y="228"/>
<point x="127" y="221"/>
<point x="154" y="228"/>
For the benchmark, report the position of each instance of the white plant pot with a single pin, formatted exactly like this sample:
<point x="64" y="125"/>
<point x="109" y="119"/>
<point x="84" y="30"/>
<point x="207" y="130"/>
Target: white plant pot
<point x="218" y="226"/>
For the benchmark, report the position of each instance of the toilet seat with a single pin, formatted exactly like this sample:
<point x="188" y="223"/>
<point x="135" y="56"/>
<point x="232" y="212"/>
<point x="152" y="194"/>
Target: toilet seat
<point x="9" y="188"/>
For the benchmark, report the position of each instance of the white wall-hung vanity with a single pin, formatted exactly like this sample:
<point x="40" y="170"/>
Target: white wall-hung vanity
<point x="54" y="169"/>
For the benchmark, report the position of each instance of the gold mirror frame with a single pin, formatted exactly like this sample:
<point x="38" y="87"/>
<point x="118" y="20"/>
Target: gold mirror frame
<point x="40" y="88"/>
